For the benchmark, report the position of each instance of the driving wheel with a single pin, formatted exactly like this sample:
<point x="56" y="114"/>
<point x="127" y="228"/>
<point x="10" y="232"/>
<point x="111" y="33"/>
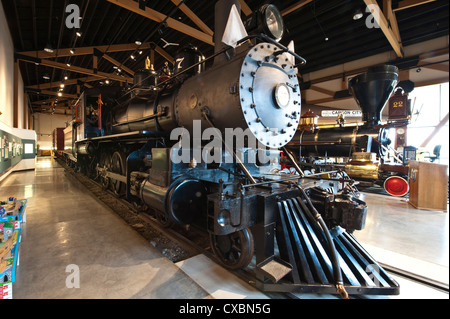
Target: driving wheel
<point x="234" y="250"/>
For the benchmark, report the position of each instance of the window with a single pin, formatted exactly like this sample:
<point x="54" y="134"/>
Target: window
<point x="430" y="105"/>
<point x="29" y="148"/>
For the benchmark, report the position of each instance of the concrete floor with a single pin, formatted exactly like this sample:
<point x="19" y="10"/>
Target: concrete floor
<point x="400" y="235"/>
<point x="67" y="226"/>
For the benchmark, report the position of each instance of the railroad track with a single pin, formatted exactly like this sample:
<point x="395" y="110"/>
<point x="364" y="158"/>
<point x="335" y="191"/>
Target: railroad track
<point x="179" y="243"/>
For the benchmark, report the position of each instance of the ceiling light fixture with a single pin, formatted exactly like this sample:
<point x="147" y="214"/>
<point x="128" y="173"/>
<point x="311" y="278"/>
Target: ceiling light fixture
<point x="72" y="51"/>
<point x="138" y="42"/>
<point x="48" y="48"/>
<point x="68" y="64"/>
<point x="78" y="34"/>
<point x="59" y="94"/>
<point x="357" y="15"/>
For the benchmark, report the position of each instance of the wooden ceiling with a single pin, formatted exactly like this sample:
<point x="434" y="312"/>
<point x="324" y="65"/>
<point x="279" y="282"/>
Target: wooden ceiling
<point x="324" y="32"/>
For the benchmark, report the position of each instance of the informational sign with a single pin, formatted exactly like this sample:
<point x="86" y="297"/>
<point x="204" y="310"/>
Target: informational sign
<point x="346" y="113"/>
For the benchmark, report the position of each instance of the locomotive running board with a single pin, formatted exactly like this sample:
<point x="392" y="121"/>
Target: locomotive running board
<point x="306" y="265"/>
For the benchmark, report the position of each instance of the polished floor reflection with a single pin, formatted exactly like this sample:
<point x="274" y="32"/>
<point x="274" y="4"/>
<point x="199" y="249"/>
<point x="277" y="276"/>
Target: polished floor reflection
<point x="68" y="229"/>
<point x="412" y="239"/>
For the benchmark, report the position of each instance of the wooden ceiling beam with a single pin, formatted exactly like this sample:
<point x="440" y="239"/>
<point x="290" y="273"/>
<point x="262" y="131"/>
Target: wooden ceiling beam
<point x="322" y="90"/>
<point x="154" y="15"/>
<point x="295" y="7"/>
<point x="406" y="4"/>
<point x="391" y="18"/>
<point x="245" y="8"/>
<point x="47" y="101"/>
<point x="41" y="54"/>
<point x="55" y="93"/>
<point x="434" y="66"/>
<point x="77" y="69"/>
<point x="118" y="64"/>
<point x="65" y="82"/>
<point x="385" y="27"/>
<point x="191" y="15"/>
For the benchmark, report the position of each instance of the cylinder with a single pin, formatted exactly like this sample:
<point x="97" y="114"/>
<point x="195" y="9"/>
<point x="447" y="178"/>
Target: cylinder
<point x="182" y="202"/>
<point x="153" y="196"/>
<point x="85" y="148"/>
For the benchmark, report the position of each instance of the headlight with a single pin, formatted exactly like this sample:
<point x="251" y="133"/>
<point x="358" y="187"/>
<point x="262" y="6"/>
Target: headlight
<point x="223" y="218"/>
<point x="272" y="21"/>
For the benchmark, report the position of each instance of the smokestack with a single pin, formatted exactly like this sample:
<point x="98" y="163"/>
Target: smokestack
<point x="372" y="91"/>
<point x="222" y="12"/>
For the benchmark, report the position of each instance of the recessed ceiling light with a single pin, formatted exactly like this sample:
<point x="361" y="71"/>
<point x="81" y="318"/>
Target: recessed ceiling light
<point x="358" y="15"/>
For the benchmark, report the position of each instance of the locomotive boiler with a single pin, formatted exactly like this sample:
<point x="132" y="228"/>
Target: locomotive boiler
<point x="201" y="147"/>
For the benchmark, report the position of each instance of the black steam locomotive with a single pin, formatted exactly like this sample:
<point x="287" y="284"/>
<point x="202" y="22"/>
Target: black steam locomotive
<point x="202" y="147"/>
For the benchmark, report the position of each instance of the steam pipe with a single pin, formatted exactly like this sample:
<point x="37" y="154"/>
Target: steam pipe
<point x="337" y="273"/>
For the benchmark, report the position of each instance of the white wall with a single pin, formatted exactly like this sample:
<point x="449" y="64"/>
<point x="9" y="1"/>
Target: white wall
<point x="44" y="124"/>
<point x="7" y="77"/>
<point x="6" y="71"/>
